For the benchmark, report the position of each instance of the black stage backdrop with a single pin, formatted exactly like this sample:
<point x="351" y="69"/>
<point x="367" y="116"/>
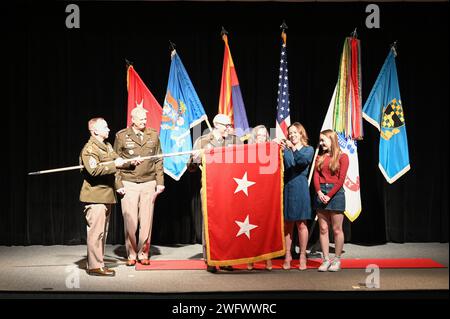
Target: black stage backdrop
<point x="58" y="78"/>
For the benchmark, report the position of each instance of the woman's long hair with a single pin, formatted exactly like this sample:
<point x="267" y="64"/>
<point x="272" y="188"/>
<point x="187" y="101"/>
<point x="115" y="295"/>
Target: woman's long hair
<point x="301" y="130"/>
<point x="334" y="152"/>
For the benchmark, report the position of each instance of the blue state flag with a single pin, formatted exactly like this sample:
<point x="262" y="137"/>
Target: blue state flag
<point x="384" y="110"/>
<point x="182" y="110"/>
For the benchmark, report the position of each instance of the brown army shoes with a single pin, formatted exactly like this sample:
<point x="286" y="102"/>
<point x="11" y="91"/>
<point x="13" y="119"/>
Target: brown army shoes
<point x="101" y="272"/>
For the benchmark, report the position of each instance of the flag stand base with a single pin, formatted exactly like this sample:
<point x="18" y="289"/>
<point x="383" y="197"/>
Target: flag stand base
<point x="315" y="251"/>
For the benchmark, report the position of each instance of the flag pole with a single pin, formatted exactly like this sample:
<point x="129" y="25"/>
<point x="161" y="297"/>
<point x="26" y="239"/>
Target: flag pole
<point x="128" y="63"/>
<point x="313" y="250"/>
<point x="394" y="48"/>
<point x="171" y="46"/>
<point x="55" y="170"/>
<point x="209" y="125"/>
<point x="223" y="32"/>
<point x="283" y="26"/>
<point x="69" y="168"/>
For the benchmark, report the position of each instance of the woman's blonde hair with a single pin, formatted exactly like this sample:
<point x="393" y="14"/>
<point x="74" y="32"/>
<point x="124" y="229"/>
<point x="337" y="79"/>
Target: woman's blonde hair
<point x="301" y="130"/>
<point x="335" y="152"/>
<point x="255" y="130"/>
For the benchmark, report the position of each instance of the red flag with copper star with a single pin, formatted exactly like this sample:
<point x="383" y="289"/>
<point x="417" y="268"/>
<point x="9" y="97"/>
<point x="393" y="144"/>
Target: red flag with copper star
<point x="243" y="203"/>
<point x="140" y="96"/>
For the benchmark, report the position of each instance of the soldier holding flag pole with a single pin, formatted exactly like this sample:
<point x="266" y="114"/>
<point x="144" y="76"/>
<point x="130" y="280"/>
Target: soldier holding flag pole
<point x="142" y="183"/>
<point x="97" y="192"/>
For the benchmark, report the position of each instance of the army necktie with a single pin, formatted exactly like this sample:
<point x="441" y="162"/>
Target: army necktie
<point x="140" y="135"/>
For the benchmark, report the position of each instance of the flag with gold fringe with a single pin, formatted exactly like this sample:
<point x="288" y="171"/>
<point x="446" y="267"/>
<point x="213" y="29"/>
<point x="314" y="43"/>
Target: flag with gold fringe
<point x="243" y="220"/>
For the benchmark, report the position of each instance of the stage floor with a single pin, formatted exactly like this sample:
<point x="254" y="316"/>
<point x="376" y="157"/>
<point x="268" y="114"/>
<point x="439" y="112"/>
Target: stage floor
<point x="60" y="269"/>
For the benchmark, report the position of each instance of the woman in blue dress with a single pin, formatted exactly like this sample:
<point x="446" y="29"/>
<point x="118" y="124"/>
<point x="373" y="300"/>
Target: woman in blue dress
<point x="298" y="156"/>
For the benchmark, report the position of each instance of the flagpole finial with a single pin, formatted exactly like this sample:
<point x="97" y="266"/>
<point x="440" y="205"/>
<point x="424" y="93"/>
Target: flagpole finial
<point x="354" y="34"/>
<point x="283" y="28"/>
<point x="223" y="32"/>
<point x="224" y="35"/>
<point x="394" y="47"/>
<point x="128" y="62"/>
<point x="172" y="47"/>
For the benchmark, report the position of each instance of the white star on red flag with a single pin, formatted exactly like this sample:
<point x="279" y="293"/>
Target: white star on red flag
<point x="245" y="227"/>
<point x="141" y="105"/>
<point x="243" y="184"/>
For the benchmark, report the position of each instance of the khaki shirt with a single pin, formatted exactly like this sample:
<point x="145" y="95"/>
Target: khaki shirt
<point x="209" y="141"/>
<point x="128" y="145"/>
<point x="99" y="180"/>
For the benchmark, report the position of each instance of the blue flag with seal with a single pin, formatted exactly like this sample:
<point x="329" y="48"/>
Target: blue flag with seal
<point x="182" y="110"/>
<point x="384" y="110"/>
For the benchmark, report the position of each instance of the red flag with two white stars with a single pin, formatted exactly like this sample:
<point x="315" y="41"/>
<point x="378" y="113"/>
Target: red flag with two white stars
<point x="243" y="203"/>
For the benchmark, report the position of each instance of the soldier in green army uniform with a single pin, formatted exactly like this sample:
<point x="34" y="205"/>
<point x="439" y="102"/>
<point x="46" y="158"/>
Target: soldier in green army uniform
<point x="97" y="192"/>
<point x="220" y="136"/>
<point x="142" y="184"/>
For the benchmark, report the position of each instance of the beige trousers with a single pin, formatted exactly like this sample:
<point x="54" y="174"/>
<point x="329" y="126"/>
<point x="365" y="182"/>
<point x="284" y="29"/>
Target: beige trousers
<point x="137" y="210"/>
<point x="97" y="220"/>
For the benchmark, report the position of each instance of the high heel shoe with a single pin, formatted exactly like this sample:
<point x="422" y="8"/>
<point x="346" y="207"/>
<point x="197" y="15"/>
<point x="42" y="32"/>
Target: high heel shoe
<point x="269" y="265"/>
<point x="287" y="262"/>
<point x="250" y="266"/>
<point x="302" y="262"/>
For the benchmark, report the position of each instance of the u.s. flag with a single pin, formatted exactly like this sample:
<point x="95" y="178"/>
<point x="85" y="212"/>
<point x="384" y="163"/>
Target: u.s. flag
<point x="283" y="112"/>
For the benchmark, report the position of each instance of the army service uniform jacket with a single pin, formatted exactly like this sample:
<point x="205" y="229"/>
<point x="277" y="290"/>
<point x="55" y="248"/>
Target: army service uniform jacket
<point x="128" y="145"/>
<point x="209" y="141"/>
<point x="100" y="181"/>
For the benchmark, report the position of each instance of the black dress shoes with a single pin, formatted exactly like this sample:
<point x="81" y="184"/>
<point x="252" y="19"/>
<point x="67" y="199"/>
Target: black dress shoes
<point x="227" y="268"/>
<point x="101" y="272"/>
<point x="211" y="269"/>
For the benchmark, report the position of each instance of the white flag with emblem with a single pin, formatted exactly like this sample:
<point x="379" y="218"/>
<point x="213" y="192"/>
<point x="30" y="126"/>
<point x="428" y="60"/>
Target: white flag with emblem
<point x="349" y="146"/>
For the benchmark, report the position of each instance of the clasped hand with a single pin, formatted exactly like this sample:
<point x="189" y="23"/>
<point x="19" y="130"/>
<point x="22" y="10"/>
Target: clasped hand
<point x="323" y="198"/>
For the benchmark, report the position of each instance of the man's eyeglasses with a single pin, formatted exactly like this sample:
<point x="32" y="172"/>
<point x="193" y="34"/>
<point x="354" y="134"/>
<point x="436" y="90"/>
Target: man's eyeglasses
<point x="226" y="125"/>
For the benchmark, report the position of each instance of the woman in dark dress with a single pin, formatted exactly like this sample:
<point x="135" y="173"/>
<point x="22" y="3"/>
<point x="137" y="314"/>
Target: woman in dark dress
<point x="298" y="156"/>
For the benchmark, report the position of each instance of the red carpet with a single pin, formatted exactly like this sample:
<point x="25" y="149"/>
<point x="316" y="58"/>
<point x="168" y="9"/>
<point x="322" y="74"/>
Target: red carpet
<point x="355" y="263"/>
